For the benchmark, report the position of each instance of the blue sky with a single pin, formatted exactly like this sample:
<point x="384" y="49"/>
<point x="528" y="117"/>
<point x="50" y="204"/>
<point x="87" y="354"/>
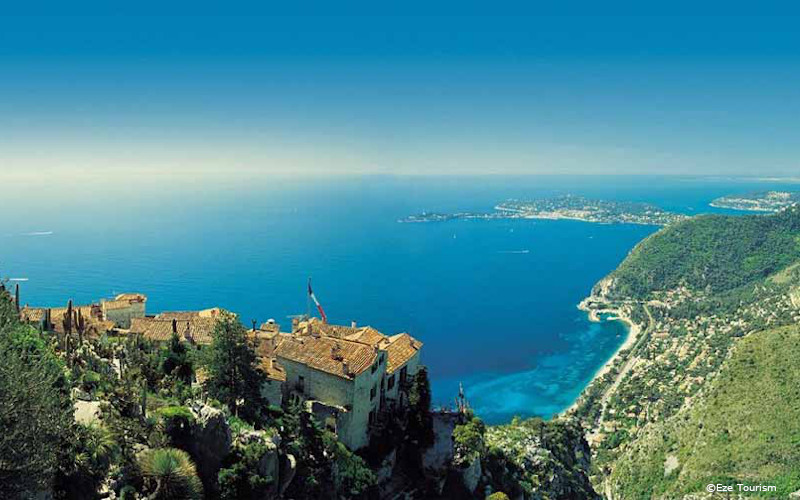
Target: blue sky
<point x="391" y="92"/>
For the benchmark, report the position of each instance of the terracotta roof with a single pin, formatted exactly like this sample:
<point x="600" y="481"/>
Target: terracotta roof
<point x="370" y="336"/>
<point x="327" y="354"/>
<point x="198" y="329"/>
<point x="91" y="314"/>
<point x="401" y="348"/>
<point x="116" y="304"/>
<point x="184" y="315"/>
<point x="315" y="325"/>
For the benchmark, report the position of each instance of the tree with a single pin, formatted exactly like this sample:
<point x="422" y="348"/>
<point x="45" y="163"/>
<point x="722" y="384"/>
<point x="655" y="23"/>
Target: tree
<point x="88" y="454"/>
<point x="177" y="360"/>
<point x="169" y="474"/>
<point x="240" y="478"/>
<point x="420" y="421"/>
<point x="234" y="377"/>
<point x="35" y="407"/>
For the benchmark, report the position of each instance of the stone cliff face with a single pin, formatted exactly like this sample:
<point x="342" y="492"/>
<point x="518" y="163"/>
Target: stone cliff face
<point x="533" y="459"/>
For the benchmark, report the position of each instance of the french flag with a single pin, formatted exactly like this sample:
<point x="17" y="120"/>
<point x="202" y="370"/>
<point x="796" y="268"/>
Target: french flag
<point x="316" y="302"/>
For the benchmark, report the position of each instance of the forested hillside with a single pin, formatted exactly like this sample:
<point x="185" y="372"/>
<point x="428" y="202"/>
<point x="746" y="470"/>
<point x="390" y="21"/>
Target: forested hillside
<point x="715" y="253"/>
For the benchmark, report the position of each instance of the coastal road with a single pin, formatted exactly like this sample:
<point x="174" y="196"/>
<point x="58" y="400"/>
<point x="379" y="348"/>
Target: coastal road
<point x="632" y="361"/>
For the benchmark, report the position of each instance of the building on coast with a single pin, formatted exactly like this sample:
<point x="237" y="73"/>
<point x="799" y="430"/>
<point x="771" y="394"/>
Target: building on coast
<point x="348" y="376"/>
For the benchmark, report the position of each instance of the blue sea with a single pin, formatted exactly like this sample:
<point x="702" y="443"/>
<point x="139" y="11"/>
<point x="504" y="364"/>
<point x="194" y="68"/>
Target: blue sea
<point x="493" y="301"/>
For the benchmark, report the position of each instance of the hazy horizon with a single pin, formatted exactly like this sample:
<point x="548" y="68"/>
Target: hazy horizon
<point x="444" y="95"/>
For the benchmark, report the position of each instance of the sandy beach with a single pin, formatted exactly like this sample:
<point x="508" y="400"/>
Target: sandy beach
<point x="634" y="329"/>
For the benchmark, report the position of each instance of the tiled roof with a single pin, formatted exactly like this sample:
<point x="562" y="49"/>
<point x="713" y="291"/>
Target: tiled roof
<point x="314" y="325"/>
<point x="116" y="304"/>
<point x="401" y="348"/>
<point x="327" y="354"/>
<point x="214" y="312"/>
<point x="370" y="336"/>
<point x="159" y="329"/>
<point x="90" y="314"/>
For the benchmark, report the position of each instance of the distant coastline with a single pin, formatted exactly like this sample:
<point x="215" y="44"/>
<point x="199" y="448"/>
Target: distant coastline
<point x="567" y="207"/>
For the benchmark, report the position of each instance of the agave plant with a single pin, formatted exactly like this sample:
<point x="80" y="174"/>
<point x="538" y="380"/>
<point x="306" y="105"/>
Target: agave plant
<point x="170" y="474"/>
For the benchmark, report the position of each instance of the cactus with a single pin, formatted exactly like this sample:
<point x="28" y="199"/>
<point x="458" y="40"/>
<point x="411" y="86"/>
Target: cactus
<point x="144" y="398"/>
<point x="80" y="326"/>
<point x="47" y="319"/>
<point x="16" y="296"/>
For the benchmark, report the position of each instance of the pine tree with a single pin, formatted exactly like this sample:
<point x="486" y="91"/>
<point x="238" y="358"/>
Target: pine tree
<point x="234" y="377"/>
<point x="420" y="421"/>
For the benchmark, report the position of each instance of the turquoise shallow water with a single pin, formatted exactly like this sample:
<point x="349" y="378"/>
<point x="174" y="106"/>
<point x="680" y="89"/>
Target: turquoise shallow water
<point x="503" y="323"/>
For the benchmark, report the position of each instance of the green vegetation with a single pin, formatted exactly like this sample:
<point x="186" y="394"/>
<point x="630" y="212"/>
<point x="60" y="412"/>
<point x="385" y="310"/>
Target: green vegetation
<point x="326" y="468"/>
<point x="715" y="253"/>
<point x="234" y="377"/>
<point x="169" y="474"/>
<point x="420" y="423"/>
<point x="239" y="479"/>
<point x="745" y="429"/>
<point x="539" y="459"/>
<point x="35" y="407"/>
<point x="469" y="441"/>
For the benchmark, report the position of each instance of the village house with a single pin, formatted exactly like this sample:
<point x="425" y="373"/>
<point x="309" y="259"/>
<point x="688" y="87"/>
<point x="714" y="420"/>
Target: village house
<point x="346" y="375"/>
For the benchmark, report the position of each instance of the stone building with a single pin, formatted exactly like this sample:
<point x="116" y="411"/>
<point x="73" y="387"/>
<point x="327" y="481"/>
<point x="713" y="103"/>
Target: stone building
<point x="347" y="375"/>
<point x="123" y="308"/>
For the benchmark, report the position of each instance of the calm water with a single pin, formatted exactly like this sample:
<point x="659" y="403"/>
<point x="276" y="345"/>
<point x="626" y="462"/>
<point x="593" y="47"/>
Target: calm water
<point x="503" y="323"/>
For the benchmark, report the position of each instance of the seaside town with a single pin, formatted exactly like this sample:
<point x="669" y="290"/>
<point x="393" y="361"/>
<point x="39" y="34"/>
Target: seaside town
<point x="766" y="201"/>
<point x="568" y="207"/>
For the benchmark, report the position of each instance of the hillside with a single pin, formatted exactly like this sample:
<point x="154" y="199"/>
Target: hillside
<point x="716" y="253"/>
<point x="697" y="289"/>
<point x="745" y="428"/>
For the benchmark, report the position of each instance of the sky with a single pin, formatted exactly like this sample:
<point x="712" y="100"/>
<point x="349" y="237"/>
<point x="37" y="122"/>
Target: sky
<point x="317" y="91"/>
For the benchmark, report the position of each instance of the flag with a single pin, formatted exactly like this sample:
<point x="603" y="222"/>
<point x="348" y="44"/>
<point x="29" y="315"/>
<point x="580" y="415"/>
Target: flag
<point x="316" y="302"/>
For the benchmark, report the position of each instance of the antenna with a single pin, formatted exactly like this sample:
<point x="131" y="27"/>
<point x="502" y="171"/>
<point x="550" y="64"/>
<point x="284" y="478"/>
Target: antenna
<point x="308" y="300"/>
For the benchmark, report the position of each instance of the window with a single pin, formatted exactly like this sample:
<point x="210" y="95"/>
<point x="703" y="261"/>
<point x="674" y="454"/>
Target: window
<point x="390" y="383"/>
<point x="375" y="366"/>
<point x="373" y="391"/>
<point x="301" y="383"/>
<point x="403" y="374"/>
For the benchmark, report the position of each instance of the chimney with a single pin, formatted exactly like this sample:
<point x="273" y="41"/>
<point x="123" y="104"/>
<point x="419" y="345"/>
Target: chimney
<point x="346" y="368"/>
<point x="295" y="324"/>
<point x="353" y="324"/>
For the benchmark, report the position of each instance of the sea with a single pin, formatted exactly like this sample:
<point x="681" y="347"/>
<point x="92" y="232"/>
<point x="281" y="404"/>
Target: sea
<point x="493" y="301"/>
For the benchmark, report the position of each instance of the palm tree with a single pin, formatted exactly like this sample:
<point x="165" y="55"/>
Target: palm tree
<point x="170" y="474"/>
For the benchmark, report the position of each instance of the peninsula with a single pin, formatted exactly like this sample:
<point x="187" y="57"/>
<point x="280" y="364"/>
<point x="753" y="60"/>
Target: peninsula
<point x="564" y="207"/>
<point x="763" y="201"/>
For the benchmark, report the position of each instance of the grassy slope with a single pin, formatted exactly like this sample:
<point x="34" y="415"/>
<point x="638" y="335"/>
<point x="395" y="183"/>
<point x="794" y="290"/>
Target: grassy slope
<point x="744" y="429"/>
